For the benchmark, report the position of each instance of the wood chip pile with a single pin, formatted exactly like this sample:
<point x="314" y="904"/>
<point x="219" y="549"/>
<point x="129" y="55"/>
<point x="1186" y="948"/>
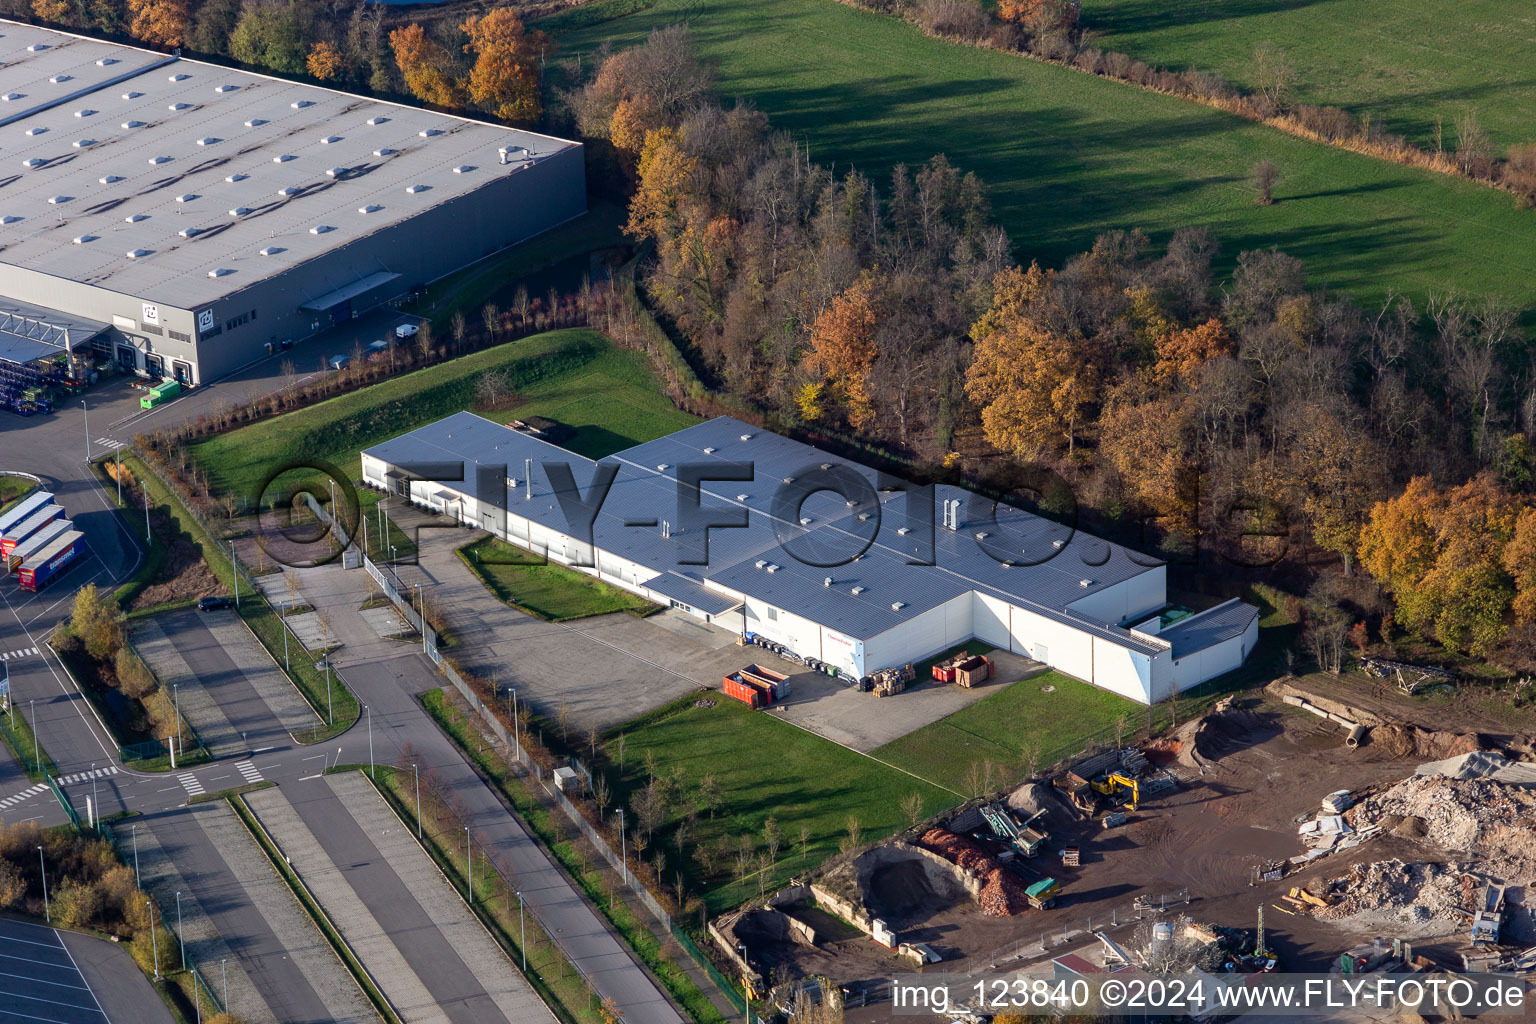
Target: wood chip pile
<point x="1002" y="893"/>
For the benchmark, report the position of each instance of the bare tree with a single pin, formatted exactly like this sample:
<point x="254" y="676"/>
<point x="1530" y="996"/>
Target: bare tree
<point x="805" y="841"/>
<point x="563" y="717"/>
<point x="853" y="833"/>
<point x="457" y="325"/>
<point x="1265" y="174"/>
<point x="1272" y="75"/>
<point x="600" y="793"/>
<point x="520" y="304"/>
<point x="490" y="316"/>
<point x="424" y="340"/>
<point x="912" y="807"/>
<point x="772" y="836"/>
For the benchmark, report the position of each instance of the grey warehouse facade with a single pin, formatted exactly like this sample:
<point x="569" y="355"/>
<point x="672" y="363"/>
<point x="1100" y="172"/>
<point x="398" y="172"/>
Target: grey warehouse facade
<point x="186" y="218"/>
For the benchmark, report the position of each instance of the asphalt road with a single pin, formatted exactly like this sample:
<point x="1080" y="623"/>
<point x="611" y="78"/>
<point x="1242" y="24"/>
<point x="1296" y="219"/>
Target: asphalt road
<point x="62" y="978"/>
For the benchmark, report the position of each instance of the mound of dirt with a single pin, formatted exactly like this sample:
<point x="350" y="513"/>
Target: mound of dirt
<point x="1209" y="739"/>
<point x="903" y="894"/>
<point x="1456" y="814"/>
<point x="1034" y="797"/>
<point x="1406" y="741"/>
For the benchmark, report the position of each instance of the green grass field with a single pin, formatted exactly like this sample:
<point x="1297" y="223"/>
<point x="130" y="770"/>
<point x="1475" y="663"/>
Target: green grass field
<point x="543" y="588"/>
<point x="1068" y="156"/>
<point x="763" y="767"/>
<point x="1401" y="61"/>
<point x="998" y="729"/>
<point x="11" y="488"/>
<point x="607" y="395"/>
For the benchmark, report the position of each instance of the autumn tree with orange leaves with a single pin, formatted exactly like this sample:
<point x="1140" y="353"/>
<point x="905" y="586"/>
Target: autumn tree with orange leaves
<point x="842" y="351"/>
<point x="505" y="76"/>
<point x="159" y="22"/>
<point x="426" y="67"/>
<point x="324" y="61"/>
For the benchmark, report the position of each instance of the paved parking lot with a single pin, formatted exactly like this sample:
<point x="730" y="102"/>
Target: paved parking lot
<point x="42" y="980"/>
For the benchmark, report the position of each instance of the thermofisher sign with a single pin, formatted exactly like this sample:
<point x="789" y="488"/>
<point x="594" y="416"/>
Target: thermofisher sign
<point x="205" y="320"/>
<point x="151" y="314"/>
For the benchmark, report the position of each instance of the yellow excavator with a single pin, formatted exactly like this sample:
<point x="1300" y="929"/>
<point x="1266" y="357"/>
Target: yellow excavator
<point x="1114" y="783"/>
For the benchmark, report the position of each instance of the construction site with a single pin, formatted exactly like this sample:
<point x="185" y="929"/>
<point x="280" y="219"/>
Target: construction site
<point x="1287" y="829"/>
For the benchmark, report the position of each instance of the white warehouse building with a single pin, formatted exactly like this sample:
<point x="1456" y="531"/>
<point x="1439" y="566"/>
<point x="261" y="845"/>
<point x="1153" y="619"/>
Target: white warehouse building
<point x="825" y="556"/>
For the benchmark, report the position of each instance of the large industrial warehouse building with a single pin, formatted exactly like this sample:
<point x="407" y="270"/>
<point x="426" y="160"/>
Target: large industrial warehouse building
<point x="1020" y="582"/>
<point x="179" y="217"/>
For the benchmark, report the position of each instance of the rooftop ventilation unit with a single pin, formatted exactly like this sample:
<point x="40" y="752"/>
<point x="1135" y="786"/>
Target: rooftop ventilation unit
<point x="428" y="133"/>
<point x="384" y="152"/>
<point x="760" y="563"/>
<point x="208" y="140"/>
<point x="863" y="517"/>
<point x="12" y="97"/>
<point x="37" y="47"/>
<point x="463" y="169"/>
<point x="110" y="179"/>
<point x="741" y="497"/>
<point x="155" y="160"/>
<point x="187" y="197"/>
<point x="232" y="178"/>
<point x="330" y="139"/>
<point x="134" y="218"/>
<point x="9" y="219"/>
<point x="84" y="143"/>
<point x="827" y="582"/>
<point x="1085" y="583"/>
<point x="240" y="211"/>
<point x="131" y="95"/>
<point x="82" y="239"/>
<point x="220" y="272"/>
<point x="225" y="88"/>
<point x="857" y="590"/>
<point x="661" y="467"/>
<point x="805" y="520"/>
<point x="138" y="254"/>
<point x="36" y="131"/>
<point x="61" y="79"/>
<point x="87" y="112"/>
<point x="771" y="567"/>
<point x="369" y="208"/>
<point x="190" y="232"/>
<point x="287" y="190"/>
<point x="130" y="125"/>
<point x="335" y="172"/>
<point x="271" y="250"/>
<point x="709" y="450"/>
<point x="320" y="229"/>
<point x="897" y="606"/>
<point x="256" y="122"/>
<point x="789" y="479"/>
<point x="511" y="153"/>
<point x="301" y="104"/>
<point x="1058" y="543"/>
<point x="902" y="530"/>
<point x="982" y="535"/>
<point x="746" y="437"/>
<point x="284" y="158"/>
<point x="178" y="78"/>
<point x="106" y="62"/>
<point x="34" y="162"/>
<point x="178" y="106"/>
<point x="56" y="200"/>
<point x="413" y="189"/>
<point x="377" y="120"/>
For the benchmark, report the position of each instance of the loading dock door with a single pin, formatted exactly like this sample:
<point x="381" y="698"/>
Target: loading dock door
<point x="341" y="312"/>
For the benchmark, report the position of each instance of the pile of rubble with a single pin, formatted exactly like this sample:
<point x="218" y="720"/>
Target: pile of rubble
<point x="1422" y="899"/>
<point x="1456" y="814"/>
<point x="1001" y="893"/>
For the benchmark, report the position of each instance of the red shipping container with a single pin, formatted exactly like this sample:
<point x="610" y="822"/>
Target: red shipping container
<point x="744" y="691"/>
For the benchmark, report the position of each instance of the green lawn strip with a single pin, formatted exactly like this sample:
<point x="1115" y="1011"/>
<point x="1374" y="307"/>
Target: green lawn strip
<point x="543" y="589"/>
<point x="258" y="615"/>
<point x="1067" y="156"/>
<point x="1403" y="62"/>
<point x="316" y="913"/>
<point x="762" y="766"/>
<point x="608" y="396"/>
<point x="998" y="728"/>
<point x="17" y="733"/>
<point x="496" y="278"/>
<point x="549" y="972"/>
<point x="12" y="488"/>
<point x="547" y="824"/>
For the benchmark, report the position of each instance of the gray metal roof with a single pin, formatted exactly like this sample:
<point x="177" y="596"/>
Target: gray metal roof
<point x="645" y="491"/>
<point x="118" y="165"/>
<point x="690" y="592"/>
<point x="29" y="332"/>
<point x="1210" y="627"/>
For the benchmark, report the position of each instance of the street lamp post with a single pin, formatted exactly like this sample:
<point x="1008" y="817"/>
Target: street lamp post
<point x="119" y="478"/>
<point x="87" y="413"/>
<point x="416" y="770"/>
<point x="180" y="940"/>
<point x="154" y="937"/>
<point x="469" y="867"/>
<point x="224" y="970"/>
<point x="42" y="868"/>
<point x="37" y="749"/>
<point x="135" y="832"/>
<point x="522" y="927"/>
<point x="623" y="857"/>
<point x="517" y="740"/>
<point x="145" y="488"/>
<point x="234" y="568"/>
<point x="421" y="610"/>
<point x="370" y="740"/>
<point x="176" y="699"/>
<point x="95" y="805"/>
<point x="746" y="986"/>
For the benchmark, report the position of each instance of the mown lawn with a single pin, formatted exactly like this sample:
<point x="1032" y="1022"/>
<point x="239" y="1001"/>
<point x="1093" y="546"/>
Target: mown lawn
<point x="1401" y="61"/>
<point x="608" y="396"/>
<point x="543" y="588"/>
<point x="998" y="730"/>
<point x="762" y="767"/>
<point x="11" y="488"/>
<point x="1067" y="156"/>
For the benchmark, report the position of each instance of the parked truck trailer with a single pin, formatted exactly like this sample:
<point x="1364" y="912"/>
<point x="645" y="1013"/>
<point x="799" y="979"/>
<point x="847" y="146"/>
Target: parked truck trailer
<point x="37" y="542"/>
<point x="22" y="509"/>
<point x="29" y="526"/>
<point x="51" y="561"/>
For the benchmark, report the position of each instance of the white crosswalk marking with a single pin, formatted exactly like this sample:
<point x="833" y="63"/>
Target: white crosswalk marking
<point x="22" y="653"/>
<point x="190" y="784"/>
<point x="107" y="442"/>
<point x="86" y="776"/>
<point x="249" y="771"/>
<point x="25" y="794"/>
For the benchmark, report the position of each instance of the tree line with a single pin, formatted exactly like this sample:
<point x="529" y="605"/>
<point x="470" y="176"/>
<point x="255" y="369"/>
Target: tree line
<point x="489" y="62"/>
<point x="1253" y="410"/>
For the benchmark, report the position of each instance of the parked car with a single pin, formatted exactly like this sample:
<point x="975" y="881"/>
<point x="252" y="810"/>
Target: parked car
<point x="339" y="362"/>
<point x="213" y="604"/>
<point x="406" y="330"/>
